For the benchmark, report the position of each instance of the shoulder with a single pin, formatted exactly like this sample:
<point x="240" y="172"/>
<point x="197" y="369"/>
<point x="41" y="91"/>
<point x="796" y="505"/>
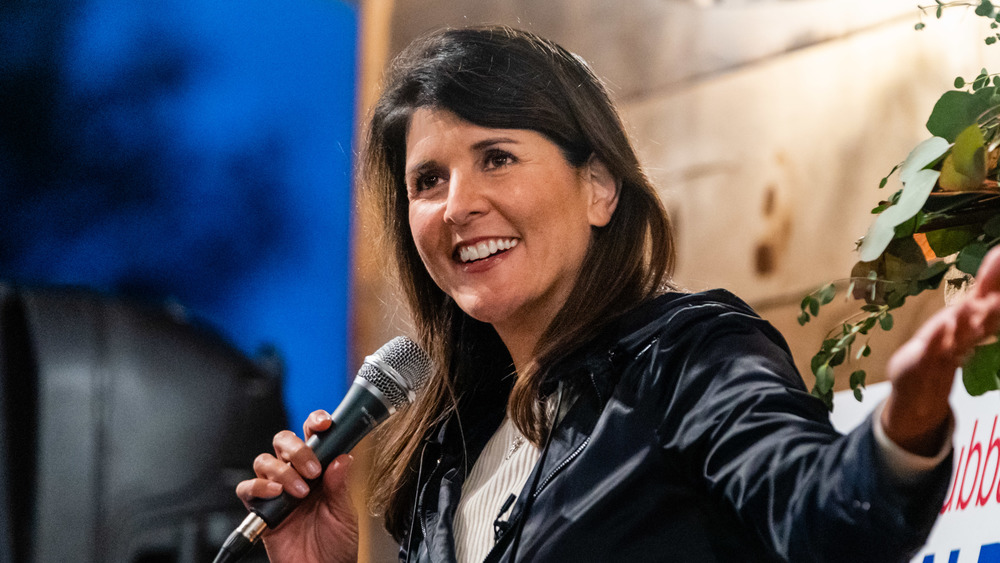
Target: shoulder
<point x="703" y="342"/>
<point x="689" y="316"/>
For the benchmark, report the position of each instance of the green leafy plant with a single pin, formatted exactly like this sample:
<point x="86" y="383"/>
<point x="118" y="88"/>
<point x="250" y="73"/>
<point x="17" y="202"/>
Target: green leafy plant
<point x="943" y="219"/>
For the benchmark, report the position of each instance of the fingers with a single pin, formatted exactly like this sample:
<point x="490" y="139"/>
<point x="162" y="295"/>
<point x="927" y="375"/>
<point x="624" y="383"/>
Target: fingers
<point x="257" y="488"/>
<point x="291" y="465"/>
<point x="988" y="276"/>
<point x="293" y="457"/>
<point x="270" y="468"/>
<point x="317" y="421"/>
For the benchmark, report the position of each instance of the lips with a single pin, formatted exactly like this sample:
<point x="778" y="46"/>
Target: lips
<point x="484" y="249"/>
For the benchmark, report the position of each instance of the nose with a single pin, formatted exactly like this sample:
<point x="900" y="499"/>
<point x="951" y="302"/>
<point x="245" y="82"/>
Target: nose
<point x="465" y="200"/>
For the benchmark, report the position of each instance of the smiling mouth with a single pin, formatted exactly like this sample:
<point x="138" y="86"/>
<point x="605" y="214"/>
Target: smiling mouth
<point x="485" y="249"/>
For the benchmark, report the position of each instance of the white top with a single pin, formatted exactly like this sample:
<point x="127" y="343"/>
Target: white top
<point x="501" y="470"/>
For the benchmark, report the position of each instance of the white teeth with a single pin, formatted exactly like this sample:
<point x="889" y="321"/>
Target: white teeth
<point x="484" y="249"/>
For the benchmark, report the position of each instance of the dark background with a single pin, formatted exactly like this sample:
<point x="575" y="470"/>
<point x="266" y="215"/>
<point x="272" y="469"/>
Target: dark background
<point x="188" y="152"/>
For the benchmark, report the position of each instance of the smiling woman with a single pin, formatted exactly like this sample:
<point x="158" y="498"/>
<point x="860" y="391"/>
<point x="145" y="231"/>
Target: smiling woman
<point x="502" y="221"/>
<point x="581" y="408"/>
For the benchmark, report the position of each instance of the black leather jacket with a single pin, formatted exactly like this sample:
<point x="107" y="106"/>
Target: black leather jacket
<point x="690" y="438"/>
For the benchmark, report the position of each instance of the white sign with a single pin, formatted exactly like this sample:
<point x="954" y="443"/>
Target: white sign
<point x="968" y="528"/>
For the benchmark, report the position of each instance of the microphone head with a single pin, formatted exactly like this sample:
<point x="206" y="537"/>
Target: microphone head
<point x="398" y="370"/>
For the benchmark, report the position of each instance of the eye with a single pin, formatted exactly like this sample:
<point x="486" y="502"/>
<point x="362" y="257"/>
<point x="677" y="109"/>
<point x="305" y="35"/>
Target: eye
<point x="426" y="181"/>
<point x="496" y="158"/>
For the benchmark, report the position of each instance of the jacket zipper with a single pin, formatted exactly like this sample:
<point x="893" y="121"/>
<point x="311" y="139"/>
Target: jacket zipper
<point x="561" y="465"/>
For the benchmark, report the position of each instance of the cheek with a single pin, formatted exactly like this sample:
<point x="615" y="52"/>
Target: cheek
<point x="425" y="235"/>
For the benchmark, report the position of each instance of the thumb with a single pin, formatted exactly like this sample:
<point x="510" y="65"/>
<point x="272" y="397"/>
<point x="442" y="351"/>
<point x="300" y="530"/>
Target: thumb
<point x="338" y="499"/>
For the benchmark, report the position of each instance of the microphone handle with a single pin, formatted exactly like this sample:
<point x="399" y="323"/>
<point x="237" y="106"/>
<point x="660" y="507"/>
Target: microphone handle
<point x="359" y="413"/>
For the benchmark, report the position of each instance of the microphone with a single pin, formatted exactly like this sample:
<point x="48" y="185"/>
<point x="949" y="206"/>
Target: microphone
<point x="387" y="380"/>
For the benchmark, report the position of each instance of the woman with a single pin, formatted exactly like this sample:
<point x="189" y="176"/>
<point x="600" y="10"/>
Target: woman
<point x="582" y="409"/>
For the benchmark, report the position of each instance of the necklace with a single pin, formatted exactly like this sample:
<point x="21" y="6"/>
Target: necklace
<point x="514" y="445"/>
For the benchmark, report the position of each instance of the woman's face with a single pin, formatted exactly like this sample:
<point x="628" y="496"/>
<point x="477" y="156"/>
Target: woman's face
<point x="501" y="220"/>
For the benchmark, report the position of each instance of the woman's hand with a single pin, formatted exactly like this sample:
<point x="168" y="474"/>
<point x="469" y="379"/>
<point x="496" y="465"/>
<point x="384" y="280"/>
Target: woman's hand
<point x="922" y="371"/>
<point x="325" y="526"/>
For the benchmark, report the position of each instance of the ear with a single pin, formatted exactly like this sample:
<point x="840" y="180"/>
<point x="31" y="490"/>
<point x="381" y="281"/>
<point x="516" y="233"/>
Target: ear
<point x="603" y="188"/>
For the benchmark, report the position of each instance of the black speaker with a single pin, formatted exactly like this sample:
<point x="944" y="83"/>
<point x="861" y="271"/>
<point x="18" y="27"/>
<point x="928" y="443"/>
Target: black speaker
<point x="125" y="429"/>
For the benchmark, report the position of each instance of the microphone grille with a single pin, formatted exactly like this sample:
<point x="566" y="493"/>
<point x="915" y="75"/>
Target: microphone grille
<point x="398" y="370"/>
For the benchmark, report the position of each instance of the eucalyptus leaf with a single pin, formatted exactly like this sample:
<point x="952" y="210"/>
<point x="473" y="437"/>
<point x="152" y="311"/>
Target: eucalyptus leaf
<point x="945" y="242"/>
<point x="826" y="294"/>
<point x="980" y="371"/>
<point x="956" y="110"/>
<point x="885" y="322"/>
<point x="858" y="378"/>
<point x="824" y="379"/>
<point x="985" y="8"/>
<point x="970" y="257"/>
<point x="904" y="260"/>
<point x="964" y="168"/>
<point x="936" y="268"/>
<point x="883" y="229"/>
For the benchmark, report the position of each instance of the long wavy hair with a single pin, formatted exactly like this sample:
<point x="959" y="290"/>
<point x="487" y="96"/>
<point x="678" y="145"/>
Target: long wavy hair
<point x="499" y="77"/>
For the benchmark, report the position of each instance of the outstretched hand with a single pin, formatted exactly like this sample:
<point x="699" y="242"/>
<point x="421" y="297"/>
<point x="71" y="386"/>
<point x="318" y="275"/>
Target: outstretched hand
<point x="922" y="370"/>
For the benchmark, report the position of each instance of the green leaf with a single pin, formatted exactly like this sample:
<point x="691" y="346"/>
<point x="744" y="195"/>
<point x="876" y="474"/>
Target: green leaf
<point x="964" y="168"/>
<point x="933" y="270"/>
<point x="813" y="306"/>
<point x="824" y="378"/>
<point x="817" y="361"/>
<point x="858" y="379"/>
<point x="803" y="318"/>
<point x="945" y="242"/>
<point x="956" y="110"/>
<point x="970" y="257"/>
<point x="985" y="8"/>
<point x="885" y="322"/>
<point x="904" y="260"/>
<point x="864" y="352"/>
<point x="939" y="11"/>
<point x="919" y="26"/>
<point x="990" y="40"/>
<point x="885" y="180"/>
<point x="980" y="371"/>
<point x="896" y="299"/>
<point x="826" y="294"/>
<point x="959" y="82"/>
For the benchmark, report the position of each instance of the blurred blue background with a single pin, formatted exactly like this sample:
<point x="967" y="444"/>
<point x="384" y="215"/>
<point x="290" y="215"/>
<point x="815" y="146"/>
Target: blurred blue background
<point x="188" y="151"/>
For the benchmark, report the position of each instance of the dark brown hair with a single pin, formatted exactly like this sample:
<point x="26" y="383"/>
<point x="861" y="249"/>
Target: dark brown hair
<point x="499" y="77"/>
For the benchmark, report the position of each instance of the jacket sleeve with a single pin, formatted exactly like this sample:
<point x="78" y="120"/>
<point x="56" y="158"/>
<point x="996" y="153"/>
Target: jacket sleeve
<point x="739" y="420"/>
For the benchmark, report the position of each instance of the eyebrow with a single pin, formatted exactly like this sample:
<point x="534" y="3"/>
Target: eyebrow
<point x="492" y="141"/>
<point x="477" y="146"/>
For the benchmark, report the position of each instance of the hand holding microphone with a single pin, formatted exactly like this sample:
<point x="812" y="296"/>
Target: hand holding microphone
<point x="325" y="521"/>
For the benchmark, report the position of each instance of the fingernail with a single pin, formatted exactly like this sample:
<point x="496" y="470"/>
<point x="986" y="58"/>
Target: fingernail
<point x="300" y="488"/>
<point x="313" y="469"/>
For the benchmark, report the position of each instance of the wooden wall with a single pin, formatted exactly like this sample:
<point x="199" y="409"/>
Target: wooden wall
<point x="766" y="125"/>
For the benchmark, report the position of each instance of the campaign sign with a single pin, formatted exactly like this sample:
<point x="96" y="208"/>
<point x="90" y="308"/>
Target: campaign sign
<point x="968" y="527"/>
